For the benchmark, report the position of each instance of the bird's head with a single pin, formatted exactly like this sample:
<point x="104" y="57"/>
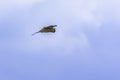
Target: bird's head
<point x="54" y="25"/>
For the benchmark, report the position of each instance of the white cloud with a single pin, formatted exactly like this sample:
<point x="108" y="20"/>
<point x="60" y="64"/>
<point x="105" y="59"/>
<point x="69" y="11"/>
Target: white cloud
<point x="85" y="11"/>
<point x="71" y="16"/>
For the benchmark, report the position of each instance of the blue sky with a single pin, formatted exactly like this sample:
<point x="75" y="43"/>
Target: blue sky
<point x="86" y="45"/>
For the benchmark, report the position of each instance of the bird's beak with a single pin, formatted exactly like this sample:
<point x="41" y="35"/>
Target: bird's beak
<point x="55" y="25"/>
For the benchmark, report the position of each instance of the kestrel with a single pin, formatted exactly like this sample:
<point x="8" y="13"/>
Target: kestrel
<point x="47" y="29"/>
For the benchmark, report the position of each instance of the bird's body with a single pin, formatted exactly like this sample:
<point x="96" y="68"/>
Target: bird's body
<point x="47" y="29"/>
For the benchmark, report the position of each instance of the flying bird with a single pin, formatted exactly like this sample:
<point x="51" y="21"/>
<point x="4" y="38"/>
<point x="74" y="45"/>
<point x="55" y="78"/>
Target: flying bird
<point x="46" y="29"/>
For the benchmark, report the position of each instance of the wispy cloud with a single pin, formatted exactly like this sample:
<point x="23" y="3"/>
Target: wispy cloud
<point x="71" y="16"/>
<point x="84" y="11"/>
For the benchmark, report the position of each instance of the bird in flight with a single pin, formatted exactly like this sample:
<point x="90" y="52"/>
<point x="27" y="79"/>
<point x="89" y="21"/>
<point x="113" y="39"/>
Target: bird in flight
<point x="46" y="29"/>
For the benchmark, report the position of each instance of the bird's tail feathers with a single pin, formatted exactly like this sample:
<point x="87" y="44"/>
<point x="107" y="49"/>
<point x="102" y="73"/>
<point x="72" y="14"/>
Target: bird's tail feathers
<point x="34" y="33"/>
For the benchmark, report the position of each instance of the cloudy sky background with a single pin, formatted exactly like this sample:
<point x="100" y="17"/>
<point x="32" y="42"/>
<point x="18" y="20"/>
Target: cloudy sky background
<point x="85" y="46"/>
